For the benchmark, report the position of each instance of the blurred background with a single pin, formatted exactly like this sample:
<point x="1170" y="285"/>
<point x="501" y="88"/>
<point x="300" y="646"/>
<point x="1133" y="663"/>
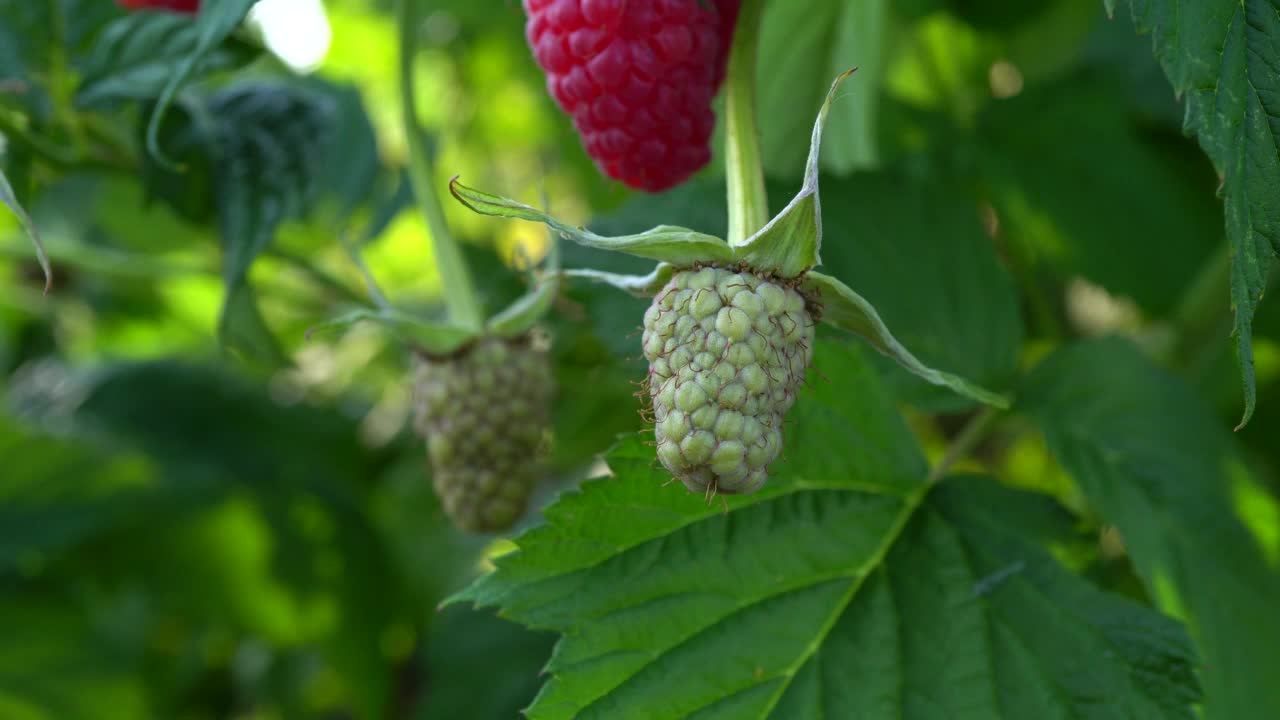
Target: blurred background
<point x="204" y="514"/>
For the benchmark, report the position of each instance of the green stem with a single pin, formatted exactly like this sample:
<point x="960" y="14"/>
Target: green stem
<point x="459" y="292"/>
<point x="744" y="172"/>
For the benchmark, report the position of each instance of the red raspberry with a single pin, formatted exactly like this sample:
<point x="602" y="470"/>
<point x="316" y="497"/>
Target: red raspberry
<point x="185" y="6"/>
<point x="638" y="78"/>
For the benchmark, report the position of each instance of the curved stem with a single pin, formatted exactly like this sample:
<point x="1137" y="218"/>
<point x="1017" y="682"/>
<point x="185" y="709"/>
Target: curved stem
<point x="459" y="291"/>
<point x="744" y="172"/>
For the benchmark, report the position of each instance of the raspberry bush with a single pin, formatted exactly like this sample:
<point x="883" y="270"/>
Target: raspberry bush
<point x="621" y="359"/>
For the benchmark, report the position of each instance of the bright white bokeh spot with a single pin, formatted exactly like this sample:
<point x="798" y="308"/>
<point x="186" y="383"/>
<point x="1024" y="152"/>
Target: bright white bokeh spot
<point x="297" y="31"/>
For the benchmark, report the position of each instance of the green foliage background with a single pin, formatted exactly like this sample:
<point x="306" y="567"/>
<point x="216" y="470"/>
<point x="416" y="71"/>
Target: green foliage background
<point x="204" y="514"/>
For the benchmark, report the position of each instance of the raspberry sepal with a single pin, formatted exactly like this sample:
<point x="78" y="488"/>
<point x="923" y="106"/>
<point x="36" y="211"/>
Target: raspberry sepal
<point x="786" y="249"/>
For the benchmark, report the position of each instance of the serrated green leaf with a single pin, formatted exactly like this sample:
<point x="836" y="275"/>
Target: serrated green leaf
<point x="675" y="245"/>
<point x="844" y="568"/>
<point x="1149" y="455"/>
<point x="134" y="57"/>
<point x="1222" y="57"/>
<point x="791" y="242"/>
<point x="28" y="226"/>
<point x="214" y="22"/>
<point x="845" y="309"/>
<point x="806" y="42"/>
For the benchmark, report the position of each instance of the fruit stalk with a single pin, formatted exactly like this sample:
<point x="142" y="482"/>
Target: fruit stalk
<point x="744" y="172"/>
<point x="461" y="300"/>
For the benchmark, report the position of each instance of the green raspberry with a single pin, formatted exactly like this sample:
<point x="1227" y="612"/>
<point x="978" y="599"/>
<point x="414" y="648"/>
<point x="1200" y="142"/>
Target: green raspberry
<point x="483" y="411"/>
<point x="727" y="352"/>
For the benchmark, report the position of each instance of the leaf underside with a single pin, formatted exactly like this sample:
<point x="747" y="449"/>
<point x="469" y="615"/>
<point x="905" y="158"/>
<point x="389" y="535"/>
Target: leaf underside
<point x="845" y="588"/>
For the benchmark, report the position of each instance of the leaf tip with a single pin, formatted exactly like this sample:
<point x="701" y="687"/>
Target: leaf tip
<point x="1248" y="415"/>
<point x="456" y="189"/>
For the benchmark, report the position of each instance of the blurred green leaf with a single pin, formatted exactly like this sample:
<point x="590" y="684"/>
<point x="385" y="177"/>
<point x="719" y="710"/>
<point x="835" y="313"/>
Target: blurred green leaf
<point x="188" y="134"/>
<point x="54" y="665"/>
<point x="1223" y="56"/>
<point x="242" y="328"/>
<point x="803" y="44"/>
<point x="462" y="680"/>
<point x="56" y="492"/>
<point x="844" y="308"/>
<point x="36" y="37"/>
<point x="135" y="57"/>
<point x="271" y="139"/>
<point x="1150" y="456"/>
<point x="841" y="567"/>
<point x="1151" y="221"/>
<point x="916" y="250"/>
<point x="999" y="14"/>
<point x="352" y="170"/>
<point x="303" y="467"/>
<point x="214" y="22"/>
<point x="9" y="200"/>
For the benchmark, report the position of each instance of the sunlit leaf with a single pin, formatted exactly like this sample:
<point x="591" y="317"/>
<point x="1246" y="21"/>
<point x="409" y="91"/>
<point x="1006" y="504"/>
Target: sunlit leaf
<point x="846" y="567"/>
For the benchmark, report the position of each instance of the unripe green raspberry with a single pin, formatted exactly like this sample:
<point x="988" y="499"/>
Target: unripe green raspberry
<point x="483" y="411"/>
<point x="727" y="352"/>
